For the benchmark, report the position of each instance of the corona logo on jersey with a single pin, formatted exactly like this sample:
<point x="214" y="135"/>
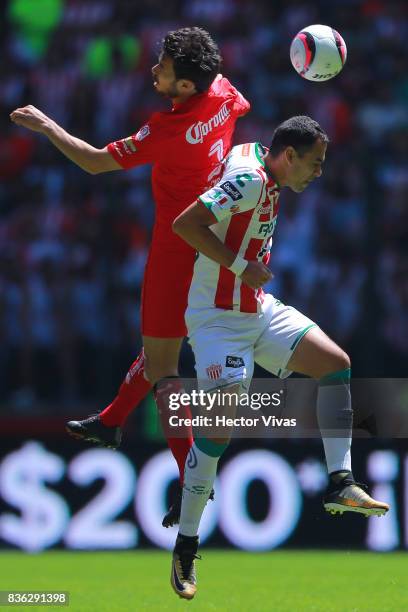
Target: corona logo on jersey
<point x="198" y="131"/>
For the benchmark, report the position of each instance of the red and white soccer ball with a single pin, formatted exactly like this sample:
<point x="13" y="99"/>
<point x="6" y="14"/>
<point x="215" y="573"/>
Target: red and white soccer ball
<point x="318" y="53"/>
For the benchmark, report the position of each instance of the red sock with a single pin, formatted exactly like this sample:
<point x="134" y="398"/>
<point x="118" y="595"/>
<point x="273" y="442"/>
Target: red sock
<point x="180" y="448"/>
<point x="181" y="445"/>
<point x="133" y="389"/>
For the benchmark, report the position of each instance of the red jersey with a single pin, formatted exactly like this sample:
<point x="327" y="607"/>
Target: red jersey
<point x="186" y="146"/>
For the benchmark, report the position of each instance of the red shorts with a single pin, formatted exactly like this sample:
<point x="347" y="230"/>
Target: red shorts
<point x="165" y="289"/>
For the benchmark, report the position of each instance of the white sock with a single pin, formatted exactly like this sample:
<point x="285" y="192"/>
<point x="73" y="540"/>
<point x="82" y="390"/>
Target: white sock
<point x="334" y="412"/>
<point x="199" y="476"/>
<point x="338" y="454"/>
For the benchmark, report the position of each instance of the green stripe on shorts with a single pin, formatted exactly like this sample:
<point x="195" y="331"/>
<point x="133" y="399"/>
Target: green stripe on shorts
<point x="300" y="336"/>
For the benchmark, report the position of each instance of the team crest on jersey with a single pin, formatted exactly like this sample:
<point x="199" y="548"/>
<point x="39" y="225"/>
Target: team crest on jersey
<point x="214" y="371"/>
<point x="143" y="132"/>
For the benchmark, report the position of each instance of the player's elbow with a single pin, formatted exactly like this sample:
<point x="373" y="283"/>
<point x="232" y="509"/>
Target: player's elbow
<point x="92" y="170"/>
<point x="179" y="226"/>
<point x="95" y="167"/>
<point x="90" y="166"/>
<point x="100" y="160"/>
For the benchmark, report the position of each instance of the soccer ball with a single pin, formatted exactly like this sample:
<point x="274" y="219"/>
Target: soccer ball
<point x="318" y="53"/>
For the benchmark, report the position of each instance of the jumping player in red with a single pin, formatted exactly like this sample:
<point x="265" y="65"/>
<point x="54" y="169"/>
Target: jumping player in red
<point x="186" y="146"/>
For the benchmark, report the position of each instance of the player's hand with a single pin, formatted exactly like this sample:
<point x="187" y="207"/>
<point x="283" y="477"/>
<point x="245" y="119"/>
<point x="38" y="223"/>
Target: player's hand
<point x="256" y="274"/>
<point x="31" y="118"/>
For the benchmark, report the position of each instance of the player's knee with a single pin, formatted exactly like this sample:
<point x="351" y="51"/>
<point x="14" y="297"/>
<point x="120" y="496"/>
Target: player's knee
<point x="154" y="375"/>
<point x="343" y="361"/>
<point x="156" y="369"/>
<point x="336" y="361"/>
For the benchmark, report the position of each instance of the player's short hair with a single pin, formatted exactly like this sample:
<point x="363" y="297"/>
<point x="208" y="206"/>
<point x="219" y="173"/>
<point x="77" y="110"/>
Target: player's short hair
<point x="195" y="56"/>
<point x="299" y="132"/>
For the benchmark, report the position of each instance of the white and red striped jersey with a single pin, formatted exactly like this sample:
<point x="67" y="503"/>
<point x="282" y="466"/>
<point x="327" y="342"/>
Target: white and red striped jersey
<point x="245" y="203"/>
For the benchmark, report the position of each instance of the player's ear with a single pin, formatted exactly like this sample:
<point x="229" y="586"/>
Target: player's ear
<point x="290" y="154"/>
<point x="187" y="87"/>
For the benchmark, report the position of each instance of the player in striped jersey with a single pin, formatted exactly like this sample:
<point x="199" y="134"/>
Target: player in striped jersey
<point x="232" y="323"/>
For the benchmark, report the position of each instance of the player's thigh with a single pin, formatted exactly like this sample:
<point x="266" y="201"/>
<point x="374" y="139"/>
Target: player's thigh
<point x="280" y="338"/>
<point x="161" y="357"/>
<point x="165" y="289"/>
<point x="222" y="357"/>
<point x="226" y="406"/>
<point x="317" y="355"/>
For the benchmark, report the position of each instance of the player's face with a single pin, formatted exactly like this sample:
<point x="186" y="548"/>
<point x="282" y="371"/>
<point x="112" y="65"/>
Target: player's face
<point x="306" y="168"/>
<point x="164" y="79"/>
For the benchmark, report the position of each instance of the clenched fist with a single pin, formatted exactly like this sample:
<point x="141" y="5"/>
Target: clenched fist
<point x="256" y="274"/>
<point x="31" y="118"/>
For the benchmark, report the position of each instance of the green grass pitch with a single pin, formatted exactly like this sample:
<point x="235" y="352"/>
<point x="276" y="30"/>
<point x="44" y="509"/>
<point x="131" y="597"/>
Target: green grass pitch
<point x="280" y="581"/>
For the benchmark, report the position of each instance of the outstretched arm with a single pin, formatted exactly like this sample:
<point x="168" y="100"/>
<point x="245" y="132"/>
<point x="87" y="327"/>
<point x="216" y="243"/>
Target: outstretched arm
<point x="84" y="155"/>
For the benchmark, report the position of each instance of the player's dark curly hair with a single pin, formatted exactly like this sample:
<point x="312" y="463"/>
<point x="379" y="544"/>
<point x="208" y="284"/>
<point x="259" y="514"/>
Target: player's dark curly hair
<point x="195" y="56"/>
<point x="299" y="132"/>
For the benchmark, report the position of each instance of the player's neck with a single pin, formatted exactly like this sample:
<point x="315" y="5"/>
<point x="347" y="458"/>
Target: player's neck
<point x="275" y="169"/>
<point x="183" y="98"/>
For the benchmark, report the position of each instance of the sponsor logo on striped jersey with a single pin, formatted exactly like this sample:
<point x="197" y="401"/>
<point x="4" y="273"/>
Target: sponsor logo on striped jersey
<point x="234" y="362"/>
<point x="231" y="190"/>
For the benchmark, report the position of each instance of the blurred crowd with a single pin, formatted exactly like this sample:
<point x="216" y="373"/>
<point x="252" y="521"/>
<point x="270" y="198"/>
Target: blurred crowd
<point x="73" y="246"/>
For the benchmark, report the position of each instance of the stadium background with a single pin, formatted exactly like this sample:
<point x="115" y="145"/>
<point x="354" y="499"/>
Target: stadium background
<point x="73" y="247"/>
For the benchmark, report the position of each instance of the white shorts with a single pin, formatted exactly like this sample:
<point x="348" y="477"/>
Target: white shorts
<point x="227" y="343"/>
